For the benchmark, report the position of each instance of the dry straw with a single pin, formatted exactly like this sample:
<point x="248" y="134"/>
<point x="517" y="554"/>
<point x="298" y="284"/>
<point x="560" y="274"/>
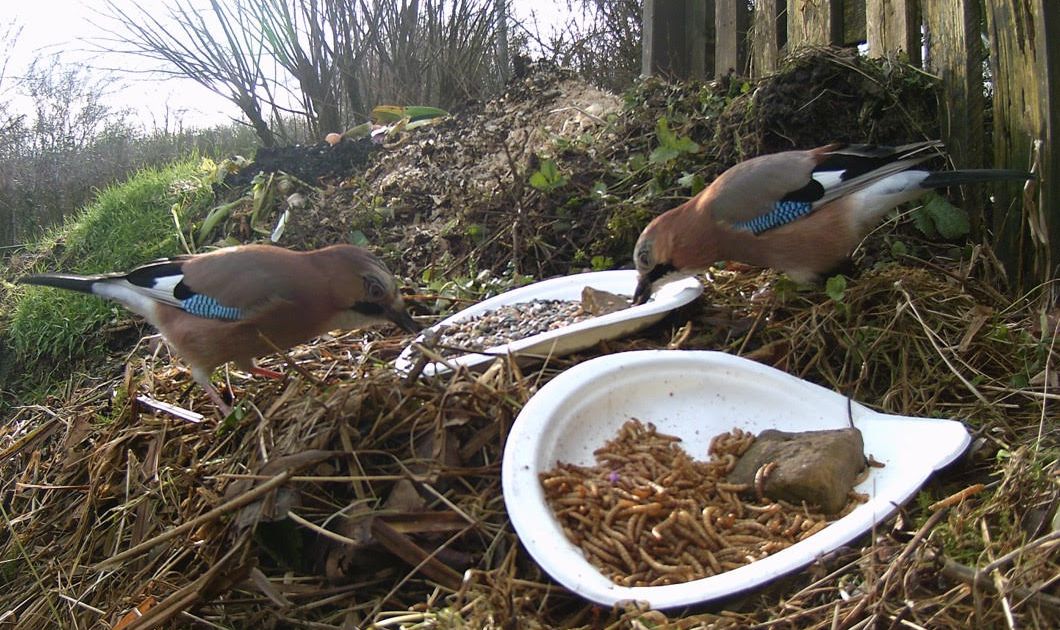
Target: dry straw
<point x="358" y="499"/>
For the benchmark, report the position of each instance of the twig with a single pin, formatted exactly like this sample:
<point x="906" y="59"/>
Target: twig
<point x="178" y="412"/>
<point x="291" y="362"/>
<point x="29" y="560"/>
<point x="417" y="568"/>
<point x="200" y="589"/>
<point x="43" y="430"/>
<point x="956" y="497"/>
<point x="326" y="533"/>
<point x="999" y="580"/>
<point x="894" y="566"/>
<point x="224" y="508"/>
<point x="976" y="578"/>
<point x="930" y="334"/>
<point x="1015" y="553"/>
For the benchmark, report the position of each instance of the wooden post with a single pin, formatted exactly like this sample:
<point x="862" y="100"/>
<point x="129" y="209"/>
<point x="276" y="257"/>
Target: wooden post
<point x="503" y="65"/>
<point x="954" y="55"/>
<point x="853" y="22"/>
<point x="676" y="38"/>
<point x="7" y="211"/>
<point x="894" y="25"/>
<point x="1025" y="62"/>
<point x="700" y="42"/>
<point x="765" y="49"/>
<point x="650" y="38"/>
<point x="814" y="23"/>
<point x="726" y="47"/>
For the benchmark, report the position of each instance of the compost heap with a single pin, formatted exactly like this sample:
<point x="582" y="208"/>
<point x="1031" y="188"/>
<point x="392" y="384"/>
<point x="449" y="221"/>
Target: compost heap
<point x="345" y="497"/>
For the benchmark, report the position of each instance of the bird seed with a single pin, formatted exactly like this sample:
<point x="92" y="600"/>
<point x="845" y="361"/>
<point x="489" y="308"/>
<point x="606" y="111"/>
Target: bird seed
<point x="512" y="322"/>
<point x="508" y="323"/>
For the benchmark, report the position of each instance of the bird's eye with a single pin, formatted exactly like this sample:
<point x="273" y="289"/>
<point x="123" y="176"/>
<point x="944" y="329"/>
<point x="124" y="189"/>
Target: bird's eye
<point x="374" y="289"/>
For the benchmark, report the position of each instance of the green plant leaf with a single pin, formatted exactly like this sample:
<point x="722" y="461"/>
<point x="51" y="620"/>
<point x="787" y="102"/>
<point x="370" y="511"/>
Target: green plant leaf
<point x="899" y="249"/>
<point x="693" y="181"/>
<point x="602" y="263"/>
<point x="215" y="216"/>
<point x="387" y="114"/>
<point x="835" y="287"/>
<point x="785" y="288"/>
<point x="940" y="217"/>
<point x="547" y="177"/>
<point x="358" y="238"/>
<point x="476" y="232"/>
<point x="670" y="145"/>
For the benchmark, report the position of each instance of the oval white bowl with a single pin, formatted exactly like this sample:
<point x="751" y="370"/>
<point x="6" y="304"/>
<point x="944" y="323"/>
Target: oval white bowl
<point x="578" y="336"/>
<point x="696" y="395"/>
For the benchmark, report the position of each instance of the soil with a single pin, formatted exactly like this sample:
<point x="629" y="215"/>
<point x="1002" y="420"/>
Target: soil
<point x="313" y="164"/>
<point x="454" y="197"/>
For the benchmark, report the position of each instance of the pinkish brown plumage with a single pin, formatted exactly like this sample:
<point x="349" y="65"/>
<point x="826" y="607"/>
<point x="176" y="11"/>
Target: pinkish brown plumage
<point x="239" y="303"/>
<point x="800" y="212"/>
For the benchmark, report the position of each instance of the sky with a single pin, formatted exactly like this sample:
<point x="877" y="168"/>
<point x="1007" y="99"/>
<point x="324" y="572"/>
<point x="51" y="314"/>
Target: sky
<point x="63" y="26"/>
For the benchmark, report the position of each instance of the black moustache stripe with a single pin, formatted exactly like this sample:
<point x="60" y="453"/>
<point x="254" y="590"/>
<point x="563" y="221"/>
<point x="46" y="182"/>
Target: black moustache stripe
<point x="658" y="271"/>
<point x="368" y="308"/>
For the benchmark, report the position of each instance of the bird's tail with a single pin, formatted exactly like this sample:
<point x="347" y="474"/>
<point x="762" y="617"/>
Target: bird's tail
<point x="82" y="284"/>
<point x="944" y="179"/>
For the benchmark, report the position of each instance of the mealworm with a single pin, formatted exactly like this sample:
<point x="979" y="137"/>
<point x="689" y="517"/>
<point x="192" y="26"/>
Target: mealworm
<point x="761" y="475"/>
<point x="648" y="513"/>
<point x="659" y="566"/>
<point x="818" y="526"/>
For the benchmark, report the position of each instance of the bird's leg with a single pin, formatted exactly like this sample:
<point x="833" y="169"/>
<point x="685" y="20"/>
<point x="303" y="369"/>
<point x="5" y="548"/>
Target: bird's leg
<point x="203" y="379"/>
<point x="291" y="362"/>
<point x="264" y="372"/>
<point x="739" y="267"/>
<point x="215" y="396"/>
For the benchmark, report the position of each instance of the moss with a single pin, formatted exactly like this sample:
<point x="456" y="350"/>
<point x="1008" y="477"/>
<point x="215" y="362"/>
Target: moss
<point x="128" y="224"/>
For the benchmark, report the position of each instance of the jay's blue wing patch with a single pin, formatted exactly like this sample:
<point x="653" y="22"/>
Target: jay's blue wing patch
<point x="783" y="212"/>
<point x="163" y="280"/>
<point x="204" y="306"/>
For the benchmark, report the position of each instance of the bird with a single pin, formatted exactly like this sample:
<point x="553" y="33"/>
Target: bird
<point x="242" y="302"/>
<point x="802" y="212"/>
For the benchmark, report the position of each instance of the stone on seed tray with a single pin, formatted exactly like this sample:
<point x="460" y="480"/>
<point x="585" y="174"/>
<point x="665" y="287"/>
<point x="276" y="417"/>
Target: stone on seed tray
<point x="597" y="302"/>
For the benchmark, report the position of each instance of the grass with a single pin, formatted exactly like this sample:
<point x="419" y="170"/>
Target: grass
<point x="128" y="224"/>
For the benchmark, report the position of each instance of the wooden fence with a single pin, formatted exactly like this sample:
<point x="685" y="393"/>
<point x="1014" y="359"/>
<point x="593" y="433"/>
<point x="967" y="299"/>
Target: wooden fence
<point x="708" y="38"/>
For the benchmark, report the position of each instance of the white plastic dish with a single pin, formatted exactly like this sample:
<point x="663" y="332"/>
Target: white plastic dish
<point x="578" y="336"/>
<point x="696" y="395"/>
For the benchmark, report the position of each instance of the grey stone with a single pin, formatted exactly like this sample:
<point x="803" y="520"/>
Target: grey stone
<point x="818" y="467"/>
<point x="598" y="302"/>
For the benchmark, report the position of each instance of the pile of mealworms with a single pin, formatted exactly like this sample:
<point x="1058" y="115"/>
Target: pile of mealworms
<point x="648" y="514"/>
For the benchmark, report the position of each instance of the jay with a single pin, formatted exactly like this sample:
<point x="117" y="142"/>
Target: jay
<point x="800" y="212"/>
<point x="239" y="303"/>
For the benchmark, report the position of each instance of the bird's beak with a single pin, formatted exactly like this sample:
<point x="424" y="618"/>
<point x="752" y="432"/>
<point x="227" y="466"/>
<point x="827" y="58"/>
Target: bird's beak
<point x="397" y="314"/>
<point x="643" y="292"/>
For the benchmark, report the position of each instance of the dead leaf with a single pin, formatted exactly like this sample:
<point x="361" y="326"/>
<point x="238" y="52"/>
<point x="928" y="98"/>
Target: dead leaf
<point x="403" y="547"/>
<point x="404" y="498"/>
<point x="134" y="615"/>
